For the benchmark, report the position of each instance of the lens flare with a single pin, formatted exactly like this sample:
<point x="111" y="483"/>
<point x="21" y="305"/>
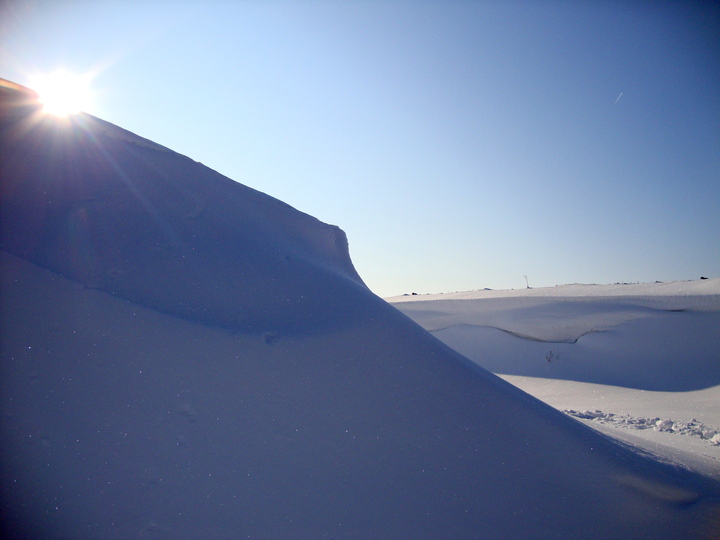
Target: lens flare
<point x="62" y="93"/>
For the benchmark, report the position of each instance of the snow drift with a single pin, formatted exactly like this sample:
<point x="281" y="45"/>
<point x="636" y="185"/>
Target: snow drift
<point x="184" y="357"/>
<point x="116" y="212"/>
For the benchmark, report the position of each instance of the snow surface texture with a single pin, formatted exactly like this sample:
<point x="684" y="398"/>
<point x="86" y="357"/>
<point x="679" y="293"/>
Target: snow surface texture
<point x="183" y="357"/>
<point x="694" y="427"/>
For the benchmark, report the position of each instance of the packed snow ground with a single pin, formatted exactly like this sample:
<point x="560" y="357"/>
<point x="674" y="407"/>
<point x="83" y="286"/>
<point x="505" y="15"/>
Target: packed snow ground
<point x="643" y="359"/>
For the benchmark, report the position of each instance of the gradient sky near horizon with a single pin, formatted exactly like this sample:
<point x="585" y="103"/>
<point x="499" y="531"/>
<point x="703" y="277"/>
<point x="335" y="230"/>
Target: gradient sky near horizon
<point x="459" y="144"/>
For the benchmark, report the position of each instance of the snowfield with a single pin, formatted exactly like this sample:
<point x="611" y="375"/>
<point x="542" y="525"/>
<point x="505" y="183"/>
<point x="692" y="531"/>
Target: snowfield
<point x="184" y="357"/>
<point x="642" y="358"/>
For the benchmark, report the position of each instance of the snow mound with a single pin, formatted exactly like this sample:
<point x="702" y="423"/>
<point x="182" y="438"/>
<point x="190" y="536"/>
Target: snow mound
<point x="184" y="357"/>
<point x="118" y="213"/>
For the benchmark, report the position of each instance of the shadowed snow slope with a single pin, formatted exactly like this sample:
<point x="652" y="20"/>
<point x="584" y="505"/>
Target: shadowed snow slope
<point x="184" y="357"/>
<point x="659" y="336"/>
<point x="115" y="212"/>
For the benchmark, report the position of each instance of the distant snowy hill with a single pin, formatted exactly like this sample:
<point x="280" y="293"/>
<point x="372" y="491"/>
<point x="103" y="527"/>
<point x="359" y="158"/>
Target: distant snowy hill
<point x="185" y="357"/>
<point x="656" y="336"/>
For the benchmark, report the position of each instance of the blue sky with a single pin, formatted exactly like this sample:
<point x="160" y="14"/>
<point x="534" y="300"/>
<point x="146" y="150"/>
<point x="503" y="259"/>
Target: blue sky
<point x="460" y="145"/>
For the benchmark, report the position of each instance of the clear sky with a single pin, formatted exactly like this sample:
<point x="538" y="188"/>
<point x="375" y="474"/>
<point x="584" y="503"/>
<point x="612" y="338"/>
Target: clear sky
<point x="460" y="145"/>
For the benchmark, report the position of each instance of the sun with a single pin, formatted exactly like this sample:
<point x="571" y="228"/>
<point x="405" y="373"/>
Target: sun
<point x="62" y="93"/>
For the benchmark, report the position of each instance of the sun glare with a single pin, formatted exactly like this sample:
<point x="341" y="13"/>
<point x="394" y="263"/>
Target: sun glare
<point x="62" y="93"/>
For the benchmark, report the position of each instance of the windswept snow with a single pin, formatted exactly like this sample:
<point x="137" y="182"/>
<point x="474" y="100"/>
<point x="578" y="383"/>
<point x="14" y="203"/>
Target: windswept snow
<point x="184" y="357"/>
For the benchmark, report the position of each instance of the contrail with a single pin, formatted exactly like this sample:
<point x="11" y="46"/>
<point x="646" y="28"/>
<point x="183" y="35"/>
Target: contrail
<point x="618" y="99"/>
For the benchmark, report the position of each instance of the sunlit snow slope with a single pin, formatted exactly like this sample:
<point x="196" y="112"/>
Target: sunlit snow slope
<point x="184" y="357"/>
